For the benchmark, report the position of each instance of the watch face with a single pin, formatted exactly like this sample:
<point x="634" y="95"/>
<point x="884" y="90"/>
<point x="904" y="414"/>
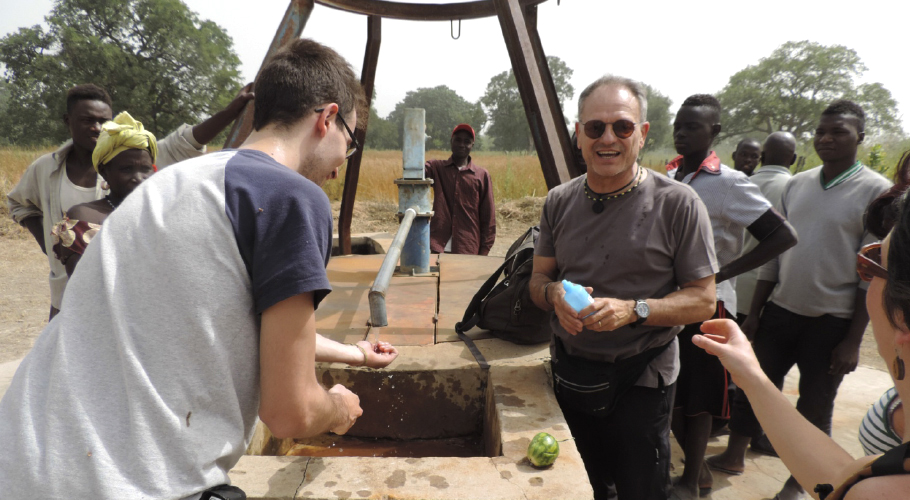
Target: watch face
<point x="642" y="309"/>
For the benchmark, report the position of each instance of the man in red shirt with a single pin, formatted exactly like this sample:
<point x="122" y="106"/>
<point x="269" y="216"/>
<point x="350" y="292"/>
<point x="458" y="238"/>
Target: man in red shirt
<point x="464" y="219"/>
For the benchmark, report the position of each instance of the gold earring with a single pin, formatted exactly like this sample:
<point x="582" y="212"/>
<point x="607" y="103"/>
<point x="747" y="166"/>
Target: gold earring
<point x="105" y="186"/>
<point x="898" y="369"/>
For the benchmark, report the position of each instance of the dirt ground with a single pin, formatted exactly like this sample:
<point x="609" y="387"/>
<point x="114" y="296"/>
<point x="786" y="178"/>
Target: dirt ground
<point x="25" y="298"/>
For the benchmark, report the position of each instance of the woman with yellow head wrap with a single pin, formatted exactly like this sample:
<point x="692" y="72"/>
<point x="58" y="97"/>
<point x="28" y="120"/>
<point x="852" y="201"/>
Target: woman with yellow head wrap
<point x="125" y="157"/>
<point x="122" y="134"/>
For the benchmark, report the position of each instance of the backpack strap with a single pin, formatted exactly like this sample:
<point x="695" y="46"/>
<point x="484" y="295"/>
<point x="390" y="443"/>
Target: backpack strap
<point x="472" y="315"/>
<point x="478" y="356"/>
<point x="894" y="461"/>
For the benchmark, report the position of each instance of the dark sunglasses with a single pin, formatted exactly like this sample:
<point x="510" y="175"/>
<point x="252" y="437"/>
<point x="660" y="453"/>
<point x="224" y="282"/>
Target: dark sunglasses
<point x="595" y="129"/>
<point x="869" y="262"/>
<point x="354" y="144"/>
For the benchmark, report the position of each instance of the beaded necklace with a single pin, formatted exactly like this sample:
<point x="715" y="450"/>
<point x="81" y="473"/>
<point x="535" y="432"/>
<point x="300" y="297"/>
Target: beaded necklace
<point x="598" y="205"/>
<point x="109" y="202"/>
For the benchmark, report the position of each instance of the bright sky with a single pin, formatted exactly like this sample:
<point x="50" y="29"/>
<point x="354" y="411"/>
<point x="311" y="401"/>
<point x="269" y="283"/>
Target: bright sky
<point x="679" y="48"/>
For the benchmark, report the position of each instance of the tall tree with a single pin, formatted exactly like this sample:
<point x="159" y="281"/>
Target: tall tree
<point x="660" y="134"/>
<point x="381" y="133"/>
<point x="156" y="58"/>
<point x="444" y="109"/>
<point x="789" y="89"/>
<point x="508" y="122"/>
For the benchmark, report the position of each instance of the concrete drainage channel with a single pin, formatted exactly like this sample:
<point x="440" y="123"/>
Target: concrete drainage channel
<point x="411" y="414"/>
<point x="446" y="430"/>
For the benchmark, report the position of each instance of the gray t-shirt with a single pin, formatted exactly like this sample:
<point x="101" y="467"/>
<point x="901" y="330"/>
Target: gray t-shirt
<point x="770" y="180"/>
<point x="146" y="385"/>
<point x="733" y="204"/>
<point x="818" y="275"/>
<point x="644" y="245"/>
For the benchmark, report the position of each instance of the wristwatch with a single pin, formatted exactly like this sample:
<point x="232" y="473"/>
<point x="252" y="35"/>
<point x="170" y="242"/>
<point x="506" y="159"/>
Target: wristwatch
<point x="642" y="311"/>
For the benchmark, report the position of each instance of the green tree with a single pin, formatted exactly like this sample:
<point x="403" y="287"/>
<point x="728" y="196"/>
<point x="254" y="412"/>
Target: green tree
<point x="381" y="133"/>
<point x="508" y="122"/>
<point x="789" y="89"/>
<point x="444" y="109"/>
<point x="660" y="134"/>
<point x="156" y="58"/>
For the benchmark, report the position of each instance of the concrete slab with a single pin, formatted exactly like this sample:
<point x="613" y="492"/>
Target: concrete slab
<point x="344" y="314"/>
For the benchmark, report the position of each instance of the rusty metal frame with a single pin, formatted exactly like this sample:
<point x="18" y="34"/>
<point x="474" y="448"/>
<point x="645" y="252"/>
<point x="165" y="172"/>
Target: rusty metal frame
<point x="475" y="9"/>
<point x="538" y="93"/>
<point x="352" y="174"/>
<point x="518" y="20"/>
<point x="295" y="19"/>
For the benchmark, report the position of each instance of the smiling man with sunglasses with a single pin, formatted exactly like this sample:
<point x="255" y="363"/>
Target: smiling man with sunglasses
<point x="641" y="243"/>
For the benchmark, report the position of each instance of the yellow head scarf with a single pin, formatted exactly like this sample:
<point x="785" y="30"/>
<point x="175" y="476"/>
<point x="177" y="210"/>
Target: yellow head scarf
<point x="120" y="134"/>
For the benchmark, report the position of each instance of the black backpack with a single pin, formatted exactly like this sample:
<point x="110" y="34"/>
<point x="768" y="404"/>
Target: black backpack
<point x="505" y="307"/>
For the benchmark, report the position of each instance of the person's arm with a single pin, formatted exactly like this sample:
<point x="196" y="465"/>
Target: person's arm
<point x="35" y="225"/>
<point x="207" y="130"/>
<point x="810" y="454"/>
<point x="845" y="355"/>
<point x="694" y="301"/>
<point x="549" y="295"/>
<point x="771" y="243"/>
<point x="487" y="218"/>
<point x="24" y="201"/>
<point x="292" y="402"/>
<point x="377" y="355"/>
<point x="763" y="289"/>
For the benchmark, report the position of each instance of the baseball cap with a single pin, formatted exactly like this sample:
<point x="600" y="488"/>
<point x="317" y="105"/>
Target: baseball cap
<point x="467" y="128"/>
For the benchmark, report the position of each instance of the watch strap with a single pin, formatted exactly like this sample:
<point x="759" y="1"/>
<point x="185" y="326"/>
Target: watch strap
<point x="640" y="319"/>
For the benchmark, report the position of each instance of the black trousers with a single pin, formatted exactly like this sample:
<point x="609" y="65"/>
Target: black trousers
<point x="785" y="339"/>
<point x="630" y="448"/>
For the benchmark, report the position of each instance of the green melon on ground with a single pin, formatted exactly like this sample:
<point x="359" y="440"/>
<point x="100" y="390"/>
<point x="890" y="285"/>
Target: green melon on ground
<point x="543" y="450"/>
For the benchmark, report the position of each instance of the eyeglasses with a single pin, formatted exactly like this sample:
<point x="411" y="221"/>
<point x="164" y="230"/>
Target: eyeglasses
<point x="354" y="144"/>
<point x="595" y="129"/>
<point x="869" y="262"/>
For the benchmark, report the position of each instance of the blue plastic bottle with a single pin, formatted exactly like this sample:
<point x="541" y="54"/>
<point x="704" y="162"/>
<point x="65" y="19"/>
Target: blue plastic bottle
<point x="576" y="295"/>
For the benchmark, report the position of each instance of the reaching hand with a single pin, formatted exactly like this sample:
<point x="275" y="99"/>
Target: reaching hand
<point x="724" y="339"/>
<point x="240" y="100"/>
<point x="844" y="358"/>
<point x="750" y="326"/>
<point x="349" y="408"/>
<point x="378" y="355"/>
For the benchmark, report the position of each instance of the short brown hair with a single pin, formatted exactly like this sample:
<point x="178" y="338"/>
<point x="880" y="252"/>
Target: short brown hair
<point x="86" y="92"/>
<point x="299" y="77"/>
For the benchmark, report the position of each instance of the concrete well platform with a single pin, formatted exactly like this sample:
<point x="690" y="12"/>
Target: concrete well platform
<point x="517" y="403"/>
<point x="439" y="382"/>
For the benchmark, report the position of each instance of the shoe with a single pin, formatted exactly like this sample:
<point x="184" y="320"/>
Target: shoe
<point x="703" y="491"/>
<point x="718" y="468"/>
<point x="763" y="446"/>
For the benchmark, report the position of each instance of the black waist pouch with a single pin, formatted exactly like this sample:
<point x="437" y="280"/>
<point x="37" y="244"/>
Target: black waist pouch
<point x="594" y="387"/>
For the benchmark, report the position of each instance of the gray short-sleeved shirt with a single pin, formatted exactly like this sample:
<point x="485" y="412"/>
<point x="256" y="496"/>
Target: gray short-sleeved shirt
<point x="770" y="180"/>
<point x="644" y="245"/>
<point x="733" y="203"/>
<point x="818" y="275"/>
